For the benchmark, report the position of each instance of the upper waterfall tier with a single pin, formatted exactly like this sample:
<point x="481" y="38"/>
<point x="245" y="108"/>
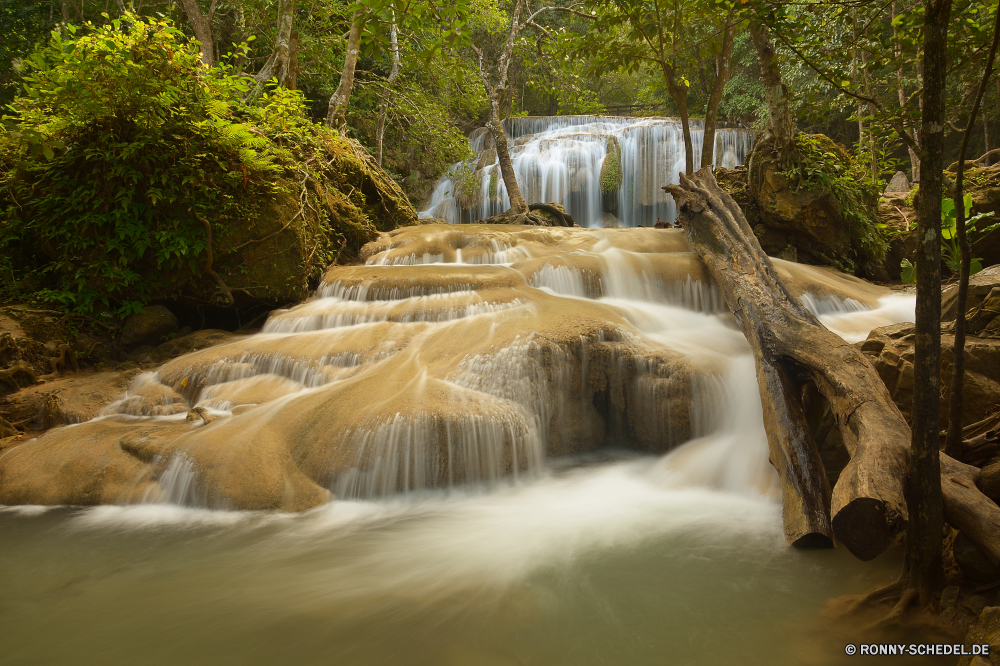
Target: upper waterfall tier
<point x="606" y="171"/>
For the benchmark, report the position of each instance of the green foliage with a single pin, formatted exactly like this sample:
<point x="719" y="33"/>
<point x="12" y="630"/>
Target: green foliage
<point x="611" y="170"/>
<point x="950" y="251"/>
<point x="826" y="165"/>
<point x="909" y="274"/>
<point x="468" y="186"/>
<point x="120" y="152"/>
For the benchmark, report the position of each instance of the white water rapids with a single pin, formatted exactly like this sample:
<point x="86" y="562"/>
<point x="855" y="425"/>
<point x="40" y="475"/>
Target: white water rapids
<point x="607" y="557"/>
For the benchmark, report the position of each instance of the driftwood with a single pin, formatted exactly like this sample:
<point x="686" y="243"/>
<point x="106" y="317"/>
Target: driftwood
<point x="867" y="504"/>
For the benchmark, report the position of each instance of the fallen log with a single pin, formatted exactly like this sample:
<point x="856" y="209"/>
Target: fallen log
<point x="867" y="504"/>
<point x="967" y="509"/>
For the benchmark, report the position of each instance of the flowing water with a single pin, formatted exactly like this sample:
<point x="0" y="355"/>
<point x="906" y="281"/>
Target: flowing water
<point x="496" y="504"/>
<point x="560" y="159"/>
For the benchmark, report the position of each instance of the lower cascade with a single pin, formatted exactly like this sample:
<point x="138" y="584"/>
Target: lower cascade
<point x="606" y="171"/>
<point x="456" y="356"/>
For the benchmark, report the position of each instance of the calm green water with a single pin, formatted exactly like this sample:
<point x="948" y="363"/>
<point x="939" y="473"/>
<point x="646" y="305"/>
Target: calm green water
<point x="607" y="563"/>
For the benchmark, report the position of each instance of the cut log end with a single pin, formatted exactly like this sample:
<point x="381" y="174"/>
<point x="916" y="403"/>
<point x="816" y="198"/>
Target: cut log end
<point x="867" y="527"/>
<point x="813" y="540"/>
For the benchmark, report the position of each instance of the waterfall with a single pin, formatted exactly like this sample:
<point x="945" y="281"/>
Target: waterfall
<point x="564" y="159"/>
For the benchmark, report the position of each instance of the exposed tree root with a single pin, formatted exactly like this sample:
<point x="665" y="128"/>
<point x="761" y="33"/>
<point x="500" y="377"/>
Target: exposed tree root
<point x="8" y="376"/>
<point x="538" y="215"/>
<point x="224" y="289"/>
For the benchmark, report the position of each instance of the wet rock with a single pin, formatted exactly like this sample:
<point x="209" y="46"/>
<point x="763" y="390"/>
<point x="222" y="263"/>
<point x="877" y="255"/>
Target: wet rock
<point x="949" y="597"/>
<point x="406" y="376"/>
<point x="186" y="344"/>
<point x="70" y="399"/>
<point x="148" y="327"/>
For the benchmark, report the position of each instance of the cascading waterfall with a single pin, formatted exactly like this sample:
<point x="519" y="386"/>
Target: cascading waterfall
<point x="606" y="171"/>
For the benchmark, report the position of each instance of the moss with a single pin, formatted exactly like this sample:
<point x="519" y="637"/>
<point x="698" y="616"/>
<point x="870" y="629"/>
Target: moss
<point x="494" y="184"/>
<point x="611" y="169"/>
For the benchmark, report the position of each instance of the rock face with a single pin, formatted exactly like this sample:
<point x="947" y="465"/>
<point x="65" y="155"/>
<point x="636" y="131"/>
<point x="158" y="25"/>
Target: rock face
<point x="807" y="217"/>
<point x="148" y="327"/>
<point x="891" y="351"/>
<point x="514" y="344"/>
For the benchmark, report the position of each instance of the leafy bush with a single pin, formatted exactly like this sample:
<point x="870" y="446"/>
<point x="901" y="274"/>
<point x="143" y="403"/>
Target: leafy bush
<point x="123" y="152"/>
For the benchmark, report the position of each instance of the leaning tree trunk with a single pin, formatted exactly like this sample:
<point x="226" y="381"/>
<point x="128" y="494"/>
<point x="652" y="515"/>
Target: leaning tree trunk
<point x="281" y="63"/>
<point x="781" y="126"/>
<point x="867" y="504"/>
<point x="721" y="77"/>
<point x="336" y="115"/>
<point x="518" y="206"/>
<point x="202" y="26"/>
<point x="393" y="75"/>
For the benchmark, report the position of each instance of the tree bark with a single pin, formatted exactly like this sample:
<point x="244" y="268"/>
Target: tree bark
<point x="867" y="504"/>
<point x="518" y="206"/>
<point x="923" y="570"/>
<point x="336" y="115"/>
<point x="393" y="75"/>
<point x="901" y="89"/>
<point x="967" y="509"/>
<point x="781" y="126"/>
<point x="715" y="97"/>
<point x="953" y="444"/>
<point x="202" y="26"/>
<point x="281" y="63"/>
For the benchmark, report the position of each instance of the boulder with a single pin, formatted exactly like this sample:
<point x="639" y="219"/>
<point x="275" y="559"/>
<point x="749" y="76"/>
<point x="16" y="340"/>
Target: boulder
<point x="980" y="285"/>
<point x="810" y="218"/>
<point x="986" y="631"/>
<point x="70" y="399"/>
<point x="148" y="327"/>
<point x="974" y="564"/>
<point x="891" y="351"/>
<point x="898" y="185"/>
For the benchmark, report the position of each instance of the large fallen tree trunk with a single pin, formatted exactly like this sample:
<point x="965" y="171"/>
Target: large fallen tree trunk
<point x="867" y="504"/>
<point x="789" y="346"/>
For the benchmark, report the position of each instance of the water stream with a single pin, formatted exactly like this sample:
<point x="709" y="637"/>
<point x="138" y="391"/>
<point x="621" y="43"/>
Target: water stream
<point x="477" y="518"/>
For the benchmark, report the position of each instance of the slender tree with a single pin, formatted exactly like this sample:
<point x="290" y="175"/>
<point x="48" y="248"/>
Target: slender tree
<point x="722" y="69"/>
<point x="954" y="439"/>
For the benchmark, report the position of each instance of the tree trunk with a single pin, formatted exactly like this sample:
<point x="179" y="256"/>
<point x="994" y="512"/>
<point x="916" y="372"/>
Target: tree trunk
<point x="781" y="125"/>
<point x="715" y="97"/>
<point x="867" y="504"/>
<point x="336" y="115"/>
<point x="281" y="64"/>
<point x="923" y="569"/>
<point x="953" y="445"/>
<point x="202" y="26"/>
<point x="393" y="75"/>
<point x="898" y="52"/>
<point x="518" y="205"/>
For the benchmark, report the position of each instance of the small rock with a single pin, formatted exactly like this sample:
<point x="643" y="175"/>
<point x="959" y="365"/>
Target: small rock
<point x="949" y="597"/>
<point x="789" y="254"/>
<point x="148" y="326"/>
<point x="873" y="346"/>
<point x="899" y="183"/>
